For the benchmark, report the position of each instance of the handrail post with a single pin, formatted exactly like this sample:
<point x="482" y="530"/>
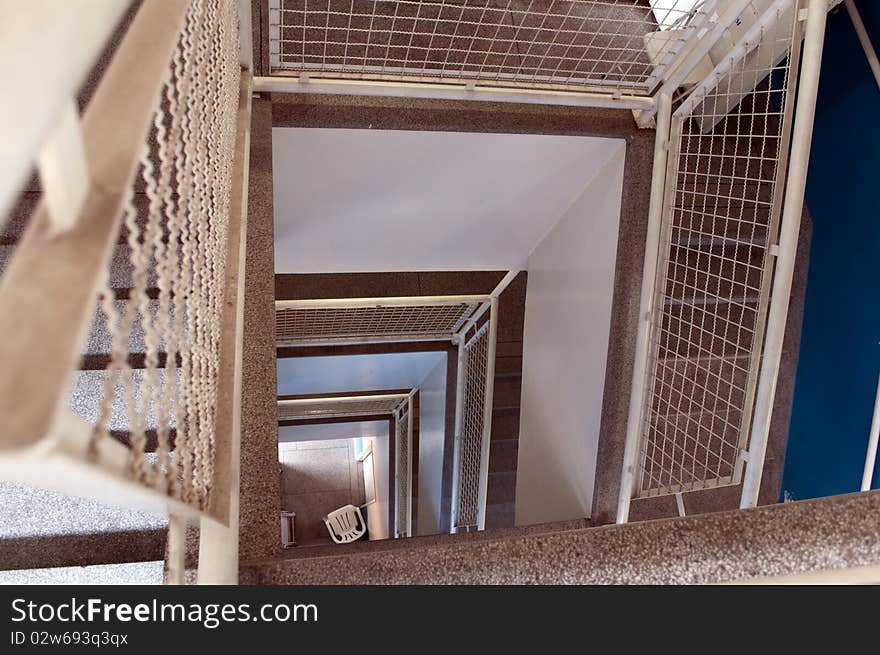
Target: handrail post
<point x="488" y="400"/>
<point x="409" y="465"/>
<point x="873" y="438"/>
<point x="459" y="421"/>
<point x="218" y="544"/>
<point x="646" y="305"/>
<point x="792" y="211"/>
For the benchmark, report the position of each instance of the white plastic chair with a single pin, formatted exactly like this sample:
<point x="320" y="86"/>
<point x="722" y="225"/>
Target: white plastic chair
<point x="345" y="524"/>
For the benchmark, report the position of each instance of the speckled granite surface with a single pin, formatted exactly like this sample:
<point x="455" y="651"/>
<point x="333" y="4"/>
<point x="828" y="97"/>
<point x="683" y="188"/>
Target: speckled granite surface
<point x="41" y="528"/>
<point x="139" y="573"/>
<point x="777" y="540"/>
<point x="374" y="547"/>
<point x="260" y="500"/>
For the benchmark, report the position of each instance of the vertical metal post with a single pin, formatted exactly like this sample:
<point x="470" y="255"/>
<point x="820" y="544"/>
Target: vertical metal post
<point x="792" y="211"/>
<point x="487" y="414"/>
<point x="459" y="421"/>
<point x="397" y="525"/>
<point x="245" y="35"/>
<point x="864" y="39"/>
<point x="871" y="455"/>
<point x="679" y="503"/>
<point x="646" y="307"/>
<point x="409" y="465"/>
<point x="176" y="549"/>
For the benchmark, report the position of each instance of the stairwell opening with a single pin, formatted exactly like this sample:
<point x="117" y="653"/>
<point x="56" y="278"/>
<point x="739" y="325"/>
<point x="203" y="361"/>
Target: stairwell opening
<point x="362" y="213"/>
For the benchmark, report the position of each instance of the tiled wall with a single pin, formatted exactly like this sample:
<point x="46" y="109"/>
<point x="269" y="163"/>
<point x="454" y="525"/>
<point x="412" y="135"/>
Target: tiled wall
<point x="318" y="477"/>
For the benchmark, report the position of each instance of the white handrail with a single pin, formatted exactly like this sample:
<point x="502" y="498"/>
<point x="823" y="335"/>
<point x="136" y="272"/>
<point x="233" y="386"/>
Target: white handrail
<point x="873" y="438"/>
<point x="397" y="301"/>
<point x="47" y="49"/>
<point x="646" y="305"/>
<point x="292" y="402"/>
<point x="864" y="39"/>
<point x="792" y="212"/>
<point x="437" y="91"/>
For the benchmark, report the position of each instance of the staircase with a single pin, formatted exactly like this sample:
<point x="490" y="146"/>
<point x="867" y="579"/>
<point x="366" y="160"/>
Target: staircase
<point x="716" y="258"/>
<point x="501" y="494"/>
<point x="41" y="531"/>
<point x="508" y="371"/>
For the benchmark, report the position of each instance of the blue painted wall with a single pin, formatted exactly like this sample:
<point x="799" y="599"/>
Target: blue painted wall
<point x="840" y="345"/>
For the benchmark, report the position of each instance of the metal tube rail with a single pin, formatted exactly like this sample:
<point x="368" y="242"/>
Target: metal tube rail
<point x="401" y="301"/>
<point x="409" y="465"/>
<point x="646" y="305"/>
<point x="342" y="399"/>
<point x="864" y="39"/>
<point x="459" y="422"/>
<point x="788" y="237"/>
<point x="873" y="438"/>
<point x="487" y="415"/>
<point x="357" y="341"/>
<point x="47" y="49"/>
<point x="496" y="293"/>
<point x="218" y="544"/>
<point x="304" y="84"/>
<point x="245" y="35"/>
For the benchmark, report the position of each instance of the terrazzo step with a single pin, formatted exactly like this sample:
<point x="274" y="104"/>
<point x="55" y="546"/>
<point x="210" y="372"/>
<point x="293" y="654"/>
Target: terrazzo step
<point x="131" y="573"/>
<point x="500" y="515"/>
<point x="501" y="487"/>
<point x="121" y="269"/>
<point x="505" y="423"/>
<point x="41" y="528"/>
<point x="502" y="455"/>
<point x="87" y="392"/>
<point x="685" y="382"/>
<point x="384" y="545"/>
<point x="507" y="391"/>
<point x="807" y="536"/>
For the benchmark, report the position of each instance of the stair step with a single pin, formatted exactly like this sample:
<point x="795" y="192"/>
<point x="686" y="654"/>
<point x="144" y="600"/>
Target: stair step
<point x="686" y="382"/>
<point x="100" y="340"/>
<point x="505" y="423"/>
<point x="129" y="573"/>
<point x="502" y="455"/>
<point x="41" y="528"/>
<point x="500" y="515"/>
<point x="87" y="391"/>
<point x="508" y="366"/>
<point x="501" y="487"/>
<point x="507" y="392"/>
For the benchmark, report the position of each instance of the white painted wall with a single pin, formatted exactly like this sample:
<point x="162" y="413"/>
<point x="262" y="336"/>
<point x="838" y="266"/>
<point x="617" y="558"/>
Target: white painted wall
<point x="432" y="435"/>
<point x="396" y="200"/>
<point x="567" y="318"/>
<point x="377" y="513"/>
<point x="343" y="373"/>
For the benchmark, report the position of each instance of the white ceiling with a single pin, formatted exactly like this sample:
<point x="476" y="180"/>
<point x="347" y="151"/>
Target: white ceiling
<point x="393" y="200"/>
<point x="342" y="373"/>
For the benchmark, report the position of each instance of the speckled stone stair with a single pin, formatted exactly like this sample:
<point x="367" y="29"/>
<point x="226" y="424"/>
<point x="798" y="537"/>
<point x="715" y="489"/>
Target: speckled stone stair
<point x="42" y="529"/>
<point x="785" y="539"/>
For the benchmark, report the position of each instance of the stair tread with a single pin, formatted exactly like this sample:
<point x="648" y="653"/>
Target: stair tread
<point x="68" y="530"/>
<point x="134" y="573"/>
